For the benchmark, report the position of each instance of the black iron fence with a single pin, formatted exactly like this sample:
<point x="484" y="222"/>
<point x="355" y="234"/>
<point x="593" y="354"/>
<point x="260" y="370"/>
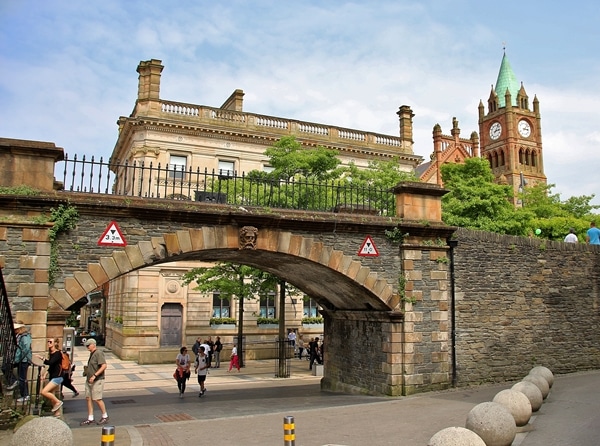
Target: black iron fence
<point x="176" y="182"/>
<point x="8" y="339"/>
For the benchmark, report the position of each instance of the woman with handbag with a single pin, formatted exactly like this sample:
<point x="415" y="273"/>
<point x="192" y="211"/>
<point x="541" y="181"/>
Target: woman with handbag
<point x="182" y="373"/>
<point x="54" y="375"/>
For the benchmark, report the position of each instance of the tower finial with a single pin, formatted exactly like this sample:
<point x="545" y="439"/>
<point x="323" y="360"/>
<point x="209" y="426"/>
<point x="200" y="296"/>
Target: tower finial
<point x="504" y="47"/>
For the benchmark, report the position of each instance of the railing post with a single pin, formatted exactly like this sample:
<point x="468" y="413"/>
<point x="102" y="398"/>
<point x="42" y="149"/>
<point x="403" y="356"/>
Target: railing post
<point x="289" y="431"/>
<point x="108" y="436"/>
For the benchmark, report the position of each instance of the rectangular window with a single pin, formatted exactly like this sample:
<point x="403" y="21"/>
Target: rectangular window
<point x="267" y="306"/>
<point x="220" y="306"/>
<point x="177" y="166"/>
<point x="226" y="168"/>
<point x="310" y="308"/>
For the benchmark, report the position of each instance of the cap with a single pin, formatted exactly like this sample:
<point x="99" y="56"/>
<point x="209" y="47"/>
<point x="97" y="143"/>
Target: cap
<point x="90" y="342"/>
<point x="18" y="326"/>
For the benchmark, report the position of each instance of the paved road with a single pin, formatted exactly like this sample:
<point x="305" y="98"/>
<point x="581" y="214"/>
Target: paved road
<point x="248" y="409"/>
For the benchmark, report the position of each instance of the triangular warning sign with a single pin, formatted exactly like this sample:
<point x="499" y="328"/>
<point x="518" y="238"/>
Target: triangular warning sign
<point x="112" y="236"/>
<point x="368" y="248"/>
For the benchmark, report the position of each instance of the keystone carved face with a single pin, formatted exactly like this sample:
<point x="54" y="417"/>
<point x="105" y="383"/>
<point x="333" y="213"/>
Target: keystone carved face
<point x="248" y="236"/>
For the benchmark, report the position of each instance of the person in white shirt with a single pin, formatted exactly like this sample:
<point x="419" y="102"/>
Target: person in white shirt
<point x="201" y="366"/>
<point x="571" y="237"/>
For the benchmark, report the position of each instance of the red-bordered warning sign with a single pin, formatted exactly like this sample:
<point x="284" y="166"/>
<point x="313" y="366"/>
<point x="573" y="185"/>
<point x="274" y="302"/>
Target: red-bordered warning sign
<point x="368" y="248"/>
<point x="112" y="236"/>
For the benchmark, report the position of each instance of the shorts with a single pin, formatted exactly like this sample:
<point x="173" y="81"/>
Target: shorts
<point x="58" y="380"/>
<point x="201" y="378"/>
<point x="94" y="390"/>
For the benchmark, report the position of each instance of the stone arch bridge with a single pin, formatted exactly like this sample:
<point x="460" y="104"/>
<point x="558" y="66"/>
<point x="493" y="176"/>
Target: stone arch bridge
<point x="367" y="301"/>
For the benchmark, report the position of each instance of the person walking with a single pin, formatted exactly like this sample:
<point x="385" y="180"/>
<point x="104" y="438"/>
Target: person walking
<point x="571" y="237"/>
<point x="234" y="361"/>
<point x="313" y="347"/>
<point x="201" y="366"/>
<point x="22" y="360"/>
<point x="94" y="383"/>
<point x="300" y="343"/>
<point x="54" y="374"/>
<point x="593" y="234"/>
<point x="217" y="352"/>
<point x="210" y="351"/>
<point x="183" y="369"/>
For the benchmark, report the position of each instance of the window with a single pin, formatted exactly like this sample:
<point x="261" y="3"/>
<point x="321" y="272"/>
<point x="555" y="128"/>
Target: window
<point x="177" y="166"/>
<point x="310" y="308"/>
<point x="267" y="305"/>
<point x="268" y="169"/>
<point x="226" y="168"/>
<point x="220" y="306"/>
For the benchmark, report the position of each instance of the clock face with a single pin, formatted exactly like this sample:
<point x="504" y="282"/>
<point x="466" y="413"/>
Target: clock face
<point x="495" y="130"/>
<point x="524" y="128"/>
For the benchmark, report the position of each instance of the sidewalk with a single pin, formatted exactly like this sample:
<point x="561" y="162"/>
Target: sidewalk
<point x="248" y="409"/>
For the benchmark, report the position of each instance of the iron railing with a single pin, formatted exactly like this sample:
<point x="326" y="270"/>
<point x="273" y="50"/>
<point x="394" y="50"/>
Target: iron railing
<point x="175" y="182"/>
<point x="284" y="354"/>
<point x="8" y="339"/>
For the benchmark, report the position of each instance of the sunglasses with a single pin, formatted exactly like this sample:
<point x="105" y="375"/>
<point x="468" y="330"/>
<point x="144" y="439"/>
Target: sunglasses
<point x="50" y="342"/>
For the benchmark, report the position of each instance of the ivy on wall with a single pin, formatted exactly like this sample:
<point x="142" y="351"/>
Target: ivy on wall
<point x="64" y="219"/>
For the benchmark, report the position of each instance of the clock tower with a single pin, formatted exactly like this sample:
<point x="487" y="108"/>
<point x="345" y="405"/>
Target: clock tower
<point x="511" y="133"/>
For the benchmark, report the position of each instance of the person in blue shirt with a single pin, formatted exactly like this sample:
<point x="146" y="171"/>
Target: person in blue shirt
<point x="593" y="234"/>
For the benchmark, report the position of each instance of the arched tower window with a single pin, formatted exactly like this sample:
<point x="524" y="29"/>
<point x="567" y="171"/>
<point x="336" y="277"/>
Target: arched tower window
<point x="534" y="162"/>
<point x="502" y="157"/>
<point x="521" y="157"/>
<point x="495" y="160"/>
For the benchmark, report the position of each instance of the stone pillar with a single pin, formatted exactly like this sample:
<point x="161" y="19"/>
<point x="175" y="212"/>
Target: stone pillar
<point x="419" y="202"/>
<point x="29" y="163"/>
<point x="148" y="103"/>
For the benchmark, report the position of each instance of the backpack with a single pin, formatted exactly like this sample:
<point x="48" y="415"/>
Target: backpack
<point x="65" y="364"/>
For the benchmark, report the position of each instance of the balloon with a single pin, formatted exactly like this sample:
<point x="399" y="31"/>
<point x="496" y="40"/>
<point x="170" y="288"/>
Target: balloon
<point x="538" y="231"/>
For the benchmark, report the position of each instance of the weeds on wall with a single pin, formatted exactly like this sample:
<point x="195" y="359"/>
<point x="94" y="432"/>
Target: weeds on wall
<point x="64" y="218"/>
<point x="395" y="235"/>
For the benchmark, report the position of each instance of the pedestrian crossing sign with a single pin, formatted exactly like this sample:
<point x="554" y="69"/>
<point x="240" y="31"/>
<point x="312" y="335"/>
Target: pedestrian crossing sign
<point x="112" y="236"/>
<point x="368" y="248"/>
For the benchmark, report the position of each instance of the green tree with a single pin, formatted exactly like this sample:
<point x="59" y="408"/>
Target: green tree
<point x="476" y="202"/>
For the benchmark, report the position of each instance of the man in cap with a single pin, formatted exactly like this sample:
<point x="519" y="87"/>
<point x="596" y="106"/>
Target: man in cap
<point x="22" y="360"/>
<point x="94" y="383"/>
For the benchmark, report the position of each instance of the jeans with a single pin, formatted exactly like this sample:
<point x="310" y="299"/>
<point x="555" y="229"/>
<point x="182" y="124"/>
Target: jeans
<point x="22" y="369"/>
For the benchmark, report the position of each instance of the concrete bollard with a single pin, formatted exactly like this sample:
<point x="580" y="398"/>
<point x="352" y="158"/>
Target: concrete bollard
<point x="454" y="436"/>
<point x="540" y="382"/>
<point x="545" y="372"/>
<point x="289" y="431"/>
<point x="531" y="391"/>
<point x="108" y="436"/>
<point x="493" y="423"/>
<point x="517" y="404"/>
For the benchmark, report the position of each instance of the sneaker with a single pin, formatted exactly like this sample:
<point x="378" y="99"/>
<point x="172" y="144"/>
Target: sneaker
<point x="12" y="386"/>
<point x="57" y="406"/>
<point x="200" y="395"/>
<point x="204" y="391"/>
<point x="103" y="420"/>
<point x="76" y="394"/>
<point x="87" y="423"/>
<point x="23" y="399"/>
<point x="180" y="395"/>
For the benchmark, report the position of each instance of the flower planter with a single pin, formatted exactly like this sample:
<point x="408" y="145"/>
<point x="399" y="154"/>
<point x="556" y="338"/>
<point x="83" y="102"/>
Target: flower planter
<point x="222" y="326"/>
<point x="271" y="326"/>
<point x="313" y="326"/>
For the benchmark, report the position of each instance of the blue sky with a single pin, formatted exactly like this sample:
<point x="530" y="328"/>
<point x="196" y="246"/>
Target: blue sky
<point x="68" y="68"/>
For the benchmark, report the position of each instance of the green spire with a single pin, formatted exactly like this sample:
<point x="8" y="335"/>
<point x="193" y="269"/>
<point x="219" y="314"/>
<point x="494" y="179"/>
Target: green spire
<point x="506" y="80"/>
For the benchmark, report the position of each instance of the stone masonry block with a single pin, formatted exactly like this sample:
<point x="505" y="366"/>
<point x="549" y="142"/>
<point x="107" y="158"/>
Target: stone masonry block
<point x="208" y="233"/>
<point x="413" y="275"/>
<point x="439" y="295"/>
<point x="110" y="267"/>
<point x="440" y="378"/>
<point x="353" y="269"/>
<point x="221" y="238"/>
<point x="40" y="303"/>
<point x="284" y="240"/>
<point x="408" y="265"/>
<point x="172" y="244"/>
<point x="413" y="254"/>
<point x="413" y="337"/>
<point x="34" y="262"/>
<point x="439" y="275"/>
<point x="295" y="245"/>
<point x="325" y="255"/>
<point x="32" y="289"/>
<point x="62" y="298"/>
<point x="43" y="248"/>
<point x="74" y="288"/>
<point x="122" y="261"/>
<point x="345" y="264"/>
<point x="413" y="316"/>
<point x="185" y="240"/>
<point x="136" y="258"/>
<point x="40" y="276"/>
<point x="197" y="239"/>
<point x="3" y="232"/>
<point x="362" y="275"/>
<point x="439" y="315"/>
<point x="413" y="380"/>
<point x="306" y="247"/>
<point x="146" y="251"/>
<point x="438" y="336"/>
<point x="335" y="259"/>
<point x="35" y="234"/>
<point x="97" y="273"/>
<point x="85" y="280"/>
<point x="315" y="251"/>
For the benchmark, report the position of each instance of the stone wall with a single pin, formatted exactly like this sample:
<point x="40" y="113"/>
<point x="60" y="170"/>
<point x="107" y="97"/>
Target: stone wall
<point x="523" y="302"/>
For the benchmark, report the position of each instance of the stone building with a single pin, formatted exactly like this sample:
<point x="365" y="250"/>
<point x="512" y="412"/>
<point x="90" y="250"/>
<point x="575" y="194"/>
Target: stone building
<point x="188" y="138"/>
<point x="510" y="135"/>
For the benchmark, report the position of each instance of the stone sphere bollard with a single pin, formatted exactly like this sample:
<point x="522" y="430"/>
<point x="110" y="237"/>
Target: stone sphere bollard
<point x="456" y="436"/>
<point x="49" y="431"/>
<point x="517" y="404"/>
<point x="540" y="382"/>
<point x="545" y="372"/>
<point x="493" y="423"/>
<point x="531" y="391"/>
